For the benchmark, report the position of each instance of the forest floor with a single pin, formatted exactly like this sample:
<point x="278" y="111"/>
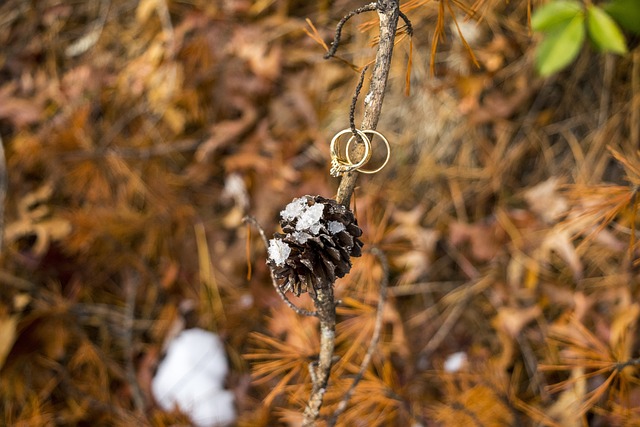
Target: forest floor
<point x="138" y="134"/>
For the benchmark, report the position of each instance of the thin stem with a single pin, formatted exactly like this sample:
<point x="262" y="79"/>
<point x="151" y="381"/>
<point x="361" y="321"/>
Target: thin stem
<point x="388" y="12"/>
<point x="373" y="101"/>
<point x="407" y="22"/>
<point x="382" y="298"/>
<point x="326" y="308"/>
<point x="354" y="102"/>
<point x="274" y="281"/>
<point x="4" y="183"/>
<point x="336" y="39"/>
<point x="132" y="285"/>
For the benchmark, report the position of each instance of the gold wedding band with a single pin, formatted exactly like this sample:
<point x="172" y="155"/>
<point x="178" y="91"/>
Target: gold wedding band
<point x="374" y="133"/>
<point x="340" y="165"/>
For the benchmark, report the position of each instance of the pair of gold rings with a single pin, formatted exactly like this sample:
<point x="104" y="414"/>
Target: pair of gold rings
<point x="342" y="164"/>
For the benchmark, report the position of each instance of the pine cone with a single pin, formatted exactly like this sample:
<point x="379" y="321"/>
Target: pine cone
<point x="320" y="237"/>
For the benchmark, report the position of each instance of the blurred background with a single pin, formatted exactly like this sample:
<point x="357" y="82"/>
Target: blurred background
<point x="138" y="134"/>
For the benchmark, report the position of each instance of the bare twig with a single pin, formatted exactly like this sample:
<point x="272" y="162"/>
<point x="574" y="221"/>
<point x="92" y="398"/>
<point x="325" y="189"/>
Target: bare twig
<point x="443" y="331"/>
<point x="388" y="12"/>
<point x="382" y="298"/>
<point x="605" y="92"/>
<point x="145" y="153"/>
<point x="92" y="36"/>
<point x="3" y="191"/>
<point x="407" y="22"/>
<point x="17" y="282"/>
<point x="132" y="285"/>
<point x="336" y="39"/>
<point x="325" y="305"/>
<point x="354" y="102"/>
<point x="298" y="310"/>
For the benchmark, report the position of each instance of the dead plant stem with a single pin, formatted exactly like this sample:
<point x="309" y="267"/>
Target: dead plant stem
<point x="384" y="286"/>
<point x="132" y="285"/>
<point x="4" y="183"/>
<point x="388" y="12"/>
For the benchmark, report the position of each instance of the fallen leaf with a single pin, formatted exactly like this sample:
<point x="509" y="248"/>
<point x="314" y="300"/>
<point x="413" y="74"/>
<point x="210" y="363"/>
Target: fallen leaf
<point x="508" y="324"/>
<point x="7" y="336"/>
<point x="560" y="242"/>
<point x="566" y="408"/>
<point x="35" y="220"/>
<point x="622" y="335"/>
<point x="546" y="201"/>
<point x="21" y="112"/>
<point x="416" y="261"/>
<point x="228" y="131"/>
<point x="485" y="239"/>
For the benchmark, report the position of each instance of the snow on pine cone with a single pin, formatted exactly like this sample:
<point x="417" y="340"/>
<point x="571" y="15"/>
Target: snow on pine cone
<point x="320" y="237"/>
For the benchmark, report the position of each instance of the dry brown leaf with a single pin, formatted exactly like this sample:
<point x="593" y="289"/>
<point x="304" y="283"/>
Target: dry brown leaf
<point x="561" y="242"/>
<point x="20" y="111"/>
<point x="229" y="131"/>
<point x="513" y="320"/>
<point x="622" y="338"/>
<point x="416" y="261"/>
<point x="264" y="58"/>
<point x="145" y="9"/>
<point x="498" y="106"/>
<point x="546" y="201"/>
<point x="35" y="219"/>
<point x="566" y="408"/>
<point x="485" y="239"/>
<point x="7" y="336"/>
<point x="509" y="323"/>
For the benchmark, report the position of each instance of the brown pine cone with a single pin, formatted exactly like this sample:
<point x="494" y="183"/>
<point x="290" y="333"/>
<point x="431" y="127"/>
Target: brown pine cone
<point x="320" y="237"/>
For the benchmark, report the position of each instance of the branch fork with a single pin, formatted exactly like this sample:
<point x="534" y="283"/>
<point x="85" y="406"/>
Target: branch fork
<point x="323" y="296"/>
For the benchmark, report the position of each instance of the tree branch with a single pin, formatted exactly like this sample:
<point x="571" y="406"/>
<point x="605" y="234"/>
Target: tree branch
<point x="4" y="183"/>
<point x="388" y="12"/>
<point x="382" y="298"/>
<point x="336" y="39"/>
<point x="326" y="309"/>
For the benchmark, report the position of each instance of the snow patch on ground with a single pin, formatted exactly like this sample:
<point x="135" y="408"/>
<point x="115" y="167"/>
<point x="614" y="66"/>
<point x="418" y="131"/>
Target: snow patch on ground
<point x="191" y="377"/>
<point x="455" y="362"/>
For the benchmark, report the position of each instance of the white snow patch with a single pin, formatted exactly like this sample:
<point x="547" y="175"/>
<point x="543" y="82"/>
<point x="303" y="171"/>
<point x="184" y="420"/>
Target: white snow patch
<point x="192" y="375"/>
<point x="455" y="361"/>
<point x="235" y="188"/>
<point x="335" y="227"/>
<point x="469" y="29"/>
<point x="300" y="236"/>
<point x="315" y="228"/>
<point x="294" y="209"/>
<point x="310" y="219"/>
<point x="278" y="251"/>
<point x="246" y="301"/>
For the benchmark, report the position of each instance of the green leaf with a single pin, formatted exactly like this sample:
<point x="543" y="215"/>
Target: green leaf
<point x="604" y="31"/>
<point x="560" y="47"/>
<point x="626" y="13"/>
<point x="554" y="14"/>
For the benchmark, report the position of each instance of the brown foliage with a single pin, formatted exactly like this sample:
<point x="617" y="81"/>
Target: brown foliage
<point x="139" y="133"/>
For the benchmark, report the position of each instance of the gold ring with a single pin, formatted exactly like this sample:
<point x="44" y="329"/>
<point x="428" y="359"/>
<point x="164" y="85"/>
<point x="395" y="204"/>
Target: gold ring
<point x="340" y="165"/>
<point x="386" y="160"/>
